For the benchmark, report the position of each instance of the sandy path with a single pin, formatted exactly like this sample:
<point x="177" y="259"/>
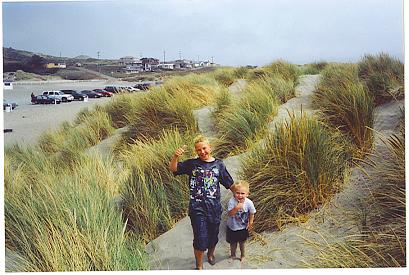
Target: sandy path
<point x="291" y="246"/>
<point x="173" y="250"/>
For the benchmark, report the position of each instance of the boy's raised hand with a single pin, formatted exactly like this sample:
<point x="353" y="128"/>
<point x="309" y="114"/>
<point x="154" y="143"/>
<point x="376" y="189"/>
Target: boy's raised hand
<point x="180" y="151"/>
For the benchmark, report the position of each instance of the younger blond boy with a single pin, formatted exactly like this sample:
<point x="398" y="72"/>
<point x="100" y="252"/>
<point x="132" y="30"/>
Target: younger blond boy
<point x="240" y="219"/>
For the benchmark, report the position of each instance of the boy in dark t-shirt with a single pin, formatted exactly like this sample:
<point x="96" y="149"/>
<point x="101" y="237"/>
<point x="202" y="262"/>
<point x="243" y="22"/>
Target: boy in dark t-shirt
<point x="206" y="173"/>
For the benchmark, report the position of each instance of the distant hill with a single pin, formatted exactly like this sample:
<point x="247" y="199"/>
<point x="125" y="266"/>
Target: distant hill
<point x="81" y="57"/>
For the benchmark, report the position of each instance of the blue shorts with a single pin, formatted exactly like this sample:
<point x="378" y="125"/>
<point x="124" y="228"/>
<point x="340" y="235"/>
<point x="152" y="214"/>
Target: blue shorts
<point x="205" y="234"/>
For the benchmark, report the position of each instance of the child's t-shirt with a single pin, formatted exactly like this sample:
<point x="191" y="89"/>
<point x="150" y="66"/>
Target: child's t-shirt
<point x="204" y="183"/>
<point x="241" y="219"/>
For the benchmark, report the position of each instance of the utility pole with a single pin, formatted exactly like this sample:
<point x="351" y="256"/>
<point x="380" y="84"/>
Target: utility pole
<point x="164" y="57"/>
<point x="99" y="68"/>
<point x="180" y="55"/>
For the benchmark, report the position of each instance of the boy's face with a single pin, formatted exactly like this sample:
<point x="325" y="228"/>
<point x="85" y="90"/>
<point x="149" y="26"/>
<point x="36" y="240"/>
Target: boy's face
<point x="241" y="193"/>
<point x="203" y="150"/>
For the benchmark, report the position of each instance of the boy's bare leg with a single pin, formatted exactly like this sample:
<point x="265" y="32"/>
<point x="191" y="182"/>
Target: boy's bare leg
<point x="242" y="252"/>
<point x="199" y="258"/>
<point x="210" y="255"/>
<point x="233" y="248"/>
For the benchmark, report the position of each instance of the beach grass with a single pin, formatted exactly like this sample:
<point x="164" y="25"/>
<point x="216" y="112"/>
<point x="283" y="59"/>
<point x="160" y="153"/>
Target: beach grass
<point x="296" y="169"/>
<point x="346" y="105"/>
<point x="313" y="68"/>
<point x="62" y="219"/>
<point x="383" y="75"/>
<point x="121" y="109"/>
<point x="152" y="198"/>
<point x="382" y="242"/>
<point x="286" y="70"/>
<point x="89" y="128"/>
<point x="244" y="121"/>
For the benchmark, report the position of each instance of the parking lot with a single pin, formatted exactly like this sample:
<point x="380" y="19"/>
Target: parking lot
<point x="28" y="121"/>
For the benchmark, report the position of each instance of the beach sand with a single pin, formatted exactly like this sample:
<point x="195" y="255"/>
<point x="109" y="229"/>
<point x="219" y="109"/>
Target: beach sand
<point x="29" y="121"/>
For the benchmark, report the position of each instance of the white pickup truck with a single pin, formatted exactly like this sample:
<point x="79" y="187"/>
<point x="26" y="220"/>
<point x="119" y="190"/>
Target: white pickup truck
<point x="60" y="95"/>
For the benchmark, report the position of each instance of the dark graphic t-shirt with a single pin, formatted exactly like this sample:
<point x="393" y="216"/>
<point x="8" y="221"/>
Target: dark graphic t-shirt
<point x="204" y="182"/>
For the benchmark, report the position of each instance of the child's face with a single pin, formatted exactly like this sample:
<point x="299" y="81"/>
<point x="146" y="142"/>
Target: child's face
<point x="203" y="150"/>
<point x="241" y="193"/>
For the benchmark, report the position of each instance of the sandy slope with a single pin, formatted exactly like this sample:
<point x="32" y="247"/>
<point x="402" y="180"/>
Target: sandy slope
<point x="291" y="246"/>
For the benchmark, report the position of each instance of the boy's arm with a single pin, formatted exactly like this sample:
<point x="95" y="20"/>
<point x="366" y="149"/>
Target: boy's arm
<point x="173" y="164"/>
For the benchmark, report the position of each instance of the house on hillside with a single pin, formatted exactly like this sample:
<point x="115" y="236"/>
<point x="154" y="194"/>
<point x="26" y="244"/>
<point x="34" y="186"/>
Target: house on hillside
<point x="149" y="64"/>
<point x="128" y="60"/>
<point x="56" y="65"/>
<point x="183" y="64"/>
<point x="167" y="66"/>
<point x="130" y="69"/>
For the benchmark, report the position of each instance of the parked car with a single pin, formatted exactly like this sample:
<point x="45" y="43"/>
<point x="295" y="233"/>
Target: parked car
<point x="75" y="94"/>
<point x="142" y="86"/>
<point x="103" y="92"/>
<point x="45" y="99"/>
<point x="91" y="94"/>
<point x="115" y="89"/>
<point x="6" y="103"/>
<point x="60" y="95"/>
<point x="132" y="89"/>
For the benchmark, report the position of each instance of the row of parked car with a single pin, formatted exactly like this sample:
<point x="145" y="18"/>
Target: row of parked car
<point x="56" y="97"/>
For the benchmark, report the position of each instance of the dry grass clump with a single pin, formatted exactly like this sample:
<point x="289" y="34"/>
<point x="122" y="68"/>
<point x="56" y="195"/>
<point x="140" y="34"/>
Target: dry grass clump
<point x="287" y="71"/>
<point x="89" y="129"/>
<point x="152" y="198"/>
<point x="346" y="105"/>
<point x="200" y="88"/>
<point x="383" y="240"/>
<point x="121" y="109"/>
<point x="62" y="219"/>
<point x="383" y="75"/>
<point x="160" y="110"/>
<point x="299" y="166"/>
<point x="240" y="124"/>
<point x="314" y="68"/>
<point x="224" y="76"/>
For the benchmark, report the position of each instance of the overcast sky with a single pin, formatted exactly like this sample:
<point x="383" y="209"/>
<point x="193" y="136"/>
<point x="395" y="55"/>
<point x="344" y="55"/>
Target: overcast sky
<point x="232" y="32"/>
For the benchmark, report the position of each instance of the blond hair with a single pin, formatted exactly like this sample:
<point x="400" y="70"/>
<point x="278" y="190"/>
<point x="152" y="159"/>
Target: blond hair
<point x="241" y="183"/>
<point x="201" y="138"/>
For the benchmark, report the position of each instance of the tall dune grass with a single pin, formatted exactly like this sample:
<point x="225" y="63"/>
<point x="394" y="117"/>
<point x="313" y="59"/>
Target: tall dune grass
<point x="225" y="76"/>
<point x="153" y="199"/>
<point x="121" y="109"/>
<point x="383" y="75"/>
<point x="285" y="70"/>
<point x="240" y="124"/>
<point x="61" y="219"/>
<point x="300" y="166"/>
<point x="346" y="105"/>
<point x="383" y="241"/>
<point x="244" y="121"/>
<point x="159" y="111"/>
<point x="89" y="129"/>
<point x="314" y="68"/>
